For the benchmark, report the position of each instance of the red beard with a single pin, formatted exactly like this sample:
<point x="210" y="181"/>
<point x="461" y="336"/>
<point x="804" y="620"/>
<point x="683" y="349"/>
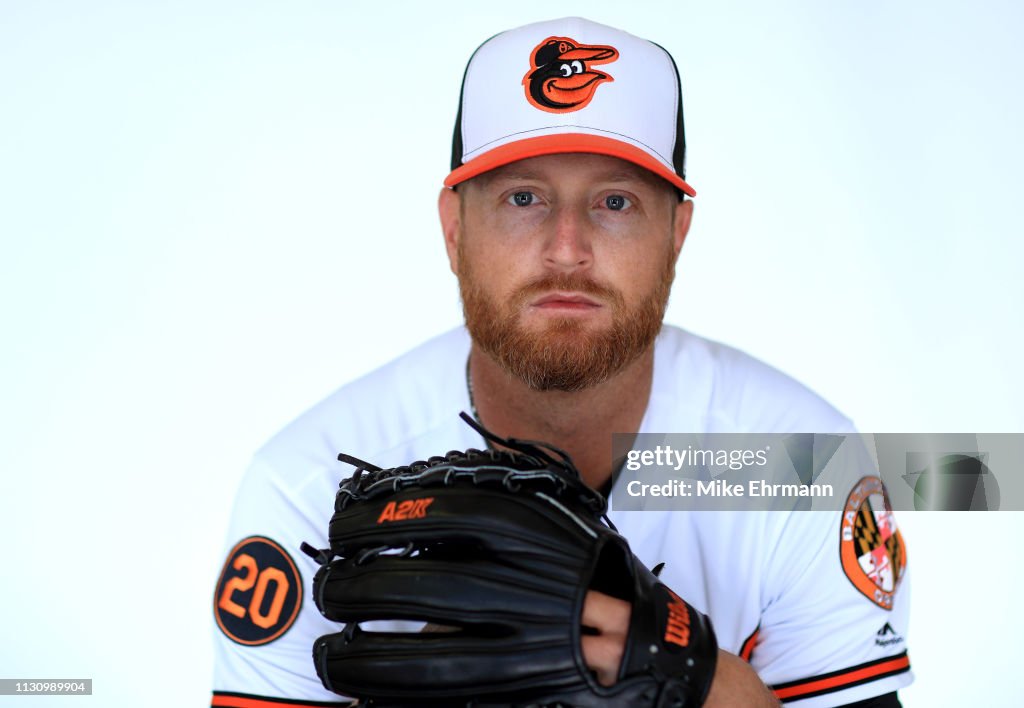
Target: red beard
<point x="567" y="355"/>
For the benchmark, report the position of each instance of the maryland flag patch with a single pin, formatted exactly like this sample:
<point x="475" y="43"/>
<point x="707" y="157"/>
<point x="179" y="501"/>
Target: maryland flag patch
<point x="871" y="547"/>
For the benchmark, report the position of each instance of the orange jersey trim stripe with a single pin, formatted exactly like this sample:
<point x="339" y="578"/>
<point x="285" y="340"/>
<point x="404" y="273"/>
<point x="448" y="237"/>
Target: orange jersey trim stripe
<point x="748" y="645"/>
<point x="228" y="699"/>
<point x="844" y="678"/>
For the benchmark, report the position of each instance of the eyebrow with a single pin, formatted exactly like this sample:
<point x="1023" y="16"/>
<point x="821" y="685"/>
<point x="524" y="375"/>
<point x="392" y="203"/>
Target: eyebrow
<point x="627" y="176"/>
<point x="617" y="176"/>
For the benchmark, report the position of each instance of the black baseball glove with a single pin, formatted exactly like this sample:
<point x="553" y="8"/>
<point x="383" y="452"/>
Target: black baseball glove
<point x="502" y="546"/>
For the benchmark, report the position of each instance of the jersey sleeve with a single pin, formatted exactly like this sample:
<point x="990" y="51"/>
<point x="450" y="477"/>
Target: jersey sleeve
<point x="265" y="620"/>
<point x="835" y="604"/>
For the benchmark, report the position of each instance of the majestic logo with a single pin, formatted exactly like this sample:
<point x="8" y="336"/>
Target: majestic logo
<point x="560" y="79"/>
<point x="409" y="509"/>
<point x="887" y="636"/>
<point x="259" y="592"/>
<point x="870" y="546"/>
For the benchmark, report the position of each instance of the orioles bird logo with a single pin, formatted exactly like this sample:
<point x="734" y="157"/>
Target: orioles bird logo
<point x="559" y="80"/>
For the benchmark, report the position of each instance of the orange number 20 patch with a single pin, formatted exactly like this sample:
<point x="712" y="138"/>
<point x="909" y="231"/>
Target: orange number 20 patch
<point x="259" y="592"/>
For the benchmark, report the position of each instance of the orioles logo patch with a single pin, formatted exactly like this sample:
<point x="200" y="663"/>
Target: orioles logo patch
<point x="560" y="79"/>
<point x="870" y="546"/>
<point x="259" y="592"/>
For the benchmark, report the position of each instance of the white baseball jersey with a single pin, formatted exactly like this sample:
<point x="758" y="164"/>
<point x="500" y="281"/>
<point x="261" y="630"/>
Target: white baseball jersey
<point x="823" y="624"/>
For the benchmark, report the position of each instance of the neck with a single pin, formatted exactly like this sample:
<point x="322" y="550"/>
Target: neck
<point x="579" y="422"/>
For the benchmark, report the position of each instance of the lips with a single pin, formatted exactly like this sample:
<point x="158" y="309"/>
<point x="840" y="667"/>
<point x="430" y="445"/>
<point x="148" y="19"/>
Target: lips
<point x="574" y="301"/>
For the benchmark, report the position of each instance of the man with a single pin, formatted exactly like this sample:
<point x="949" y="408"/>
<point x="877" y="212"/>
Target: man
<point x="563" y="218"/>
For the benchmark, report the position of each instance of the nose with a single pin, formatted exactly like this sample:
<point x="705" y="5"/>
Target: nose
<point x="569" y="244"/>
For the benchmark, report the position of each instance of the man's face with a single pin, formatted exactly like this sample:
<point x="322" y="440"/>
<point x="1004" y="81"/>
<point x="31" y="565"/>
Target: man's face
<point x="565" y="263"/>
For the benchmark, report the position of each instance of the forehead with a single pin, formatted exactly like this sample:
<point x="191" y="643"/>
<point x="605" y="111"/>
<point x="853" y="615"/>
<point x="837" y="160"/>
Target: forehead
<point x="573" y="168"/>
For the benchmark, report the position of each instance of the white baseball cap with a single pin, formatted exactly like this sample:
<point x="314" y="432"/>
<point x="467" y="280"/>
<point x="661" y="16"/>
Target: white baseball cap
<point x="569" y="85"/>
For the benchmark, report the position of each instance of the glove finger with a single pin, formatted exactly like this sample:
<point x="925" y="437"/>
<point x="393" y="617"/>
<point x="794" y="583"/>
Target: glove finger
<point x="395" y="666"/>
<point x="451" y="592"/>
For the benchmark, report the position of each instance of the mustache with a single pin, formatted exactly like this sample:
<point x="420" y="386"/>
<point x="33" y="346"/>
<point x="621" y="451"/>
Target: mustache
<point x="568" y="282"/>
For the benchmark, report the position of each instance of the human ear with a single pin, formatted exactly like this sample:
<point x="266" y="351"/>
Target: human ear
<point x="449" y="207"/>
<point x="681" y="224"/>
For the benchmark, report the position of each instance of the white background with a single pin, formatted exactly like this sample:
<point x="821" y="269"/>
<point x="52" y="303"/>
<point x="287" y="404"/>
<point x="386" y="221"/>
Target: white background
<point x="213" y="214"/>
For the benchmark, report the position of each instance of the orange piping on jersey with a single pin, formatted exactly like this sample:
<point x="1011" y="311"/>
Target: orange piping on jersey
<point x="748" y="645"/>
<point x="238" y="700"/>
<point x="843" y="679"/>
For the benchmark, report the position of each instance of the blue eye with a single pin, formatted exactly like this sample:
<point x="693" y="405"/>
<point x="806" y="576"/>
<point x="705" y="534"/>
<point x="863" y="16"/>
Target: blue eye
<point x="616" y="202"/>
<point x="522" y="198"/>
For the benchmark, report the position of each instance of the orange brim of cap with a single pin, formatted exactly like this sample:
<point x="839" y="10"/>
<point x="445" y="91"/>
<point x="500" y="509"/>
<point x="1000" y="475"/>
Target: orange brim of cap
<point x="563" y="143"/>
